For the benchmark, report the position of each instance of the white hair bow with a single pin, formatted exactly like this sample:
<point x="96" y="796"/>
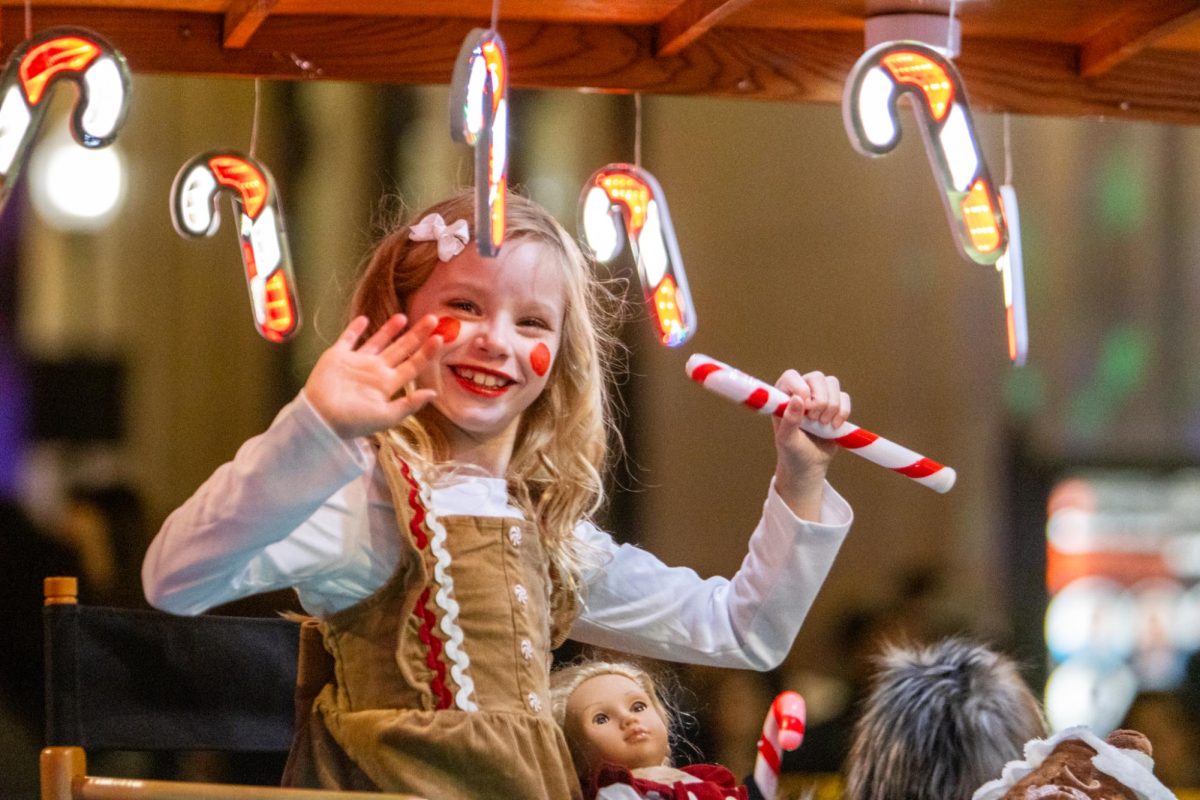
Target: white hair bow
<point x="451" y="239"/>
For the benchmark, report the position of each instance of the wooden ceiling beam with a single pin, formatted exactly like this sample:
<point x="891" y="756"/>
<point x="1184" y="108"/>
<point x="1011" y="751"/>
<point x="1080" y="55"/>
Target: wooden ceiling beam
<point x="243" y="18"/>
<point x="795" y="66"/>
<point x="690" y="20"/>
<point x="1133" y="31"/>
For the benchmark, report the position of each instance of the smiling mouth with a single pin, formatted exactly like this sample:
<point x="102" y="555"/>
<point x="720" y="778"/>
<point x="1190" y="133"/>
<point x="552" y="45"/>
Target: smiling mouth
<point x="480" y="382"/>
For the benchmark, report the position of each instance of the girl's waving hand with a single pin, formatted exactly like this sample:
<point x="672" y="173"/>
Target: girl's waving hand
<point x="355" y="387"/>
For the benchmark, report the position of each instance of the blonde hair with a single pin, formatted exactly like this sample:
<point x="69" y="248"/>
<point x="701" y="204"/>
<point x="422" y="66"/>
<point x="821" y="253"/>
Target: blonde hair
<point x="556" y="472"/>
<point x="565" y="680"/>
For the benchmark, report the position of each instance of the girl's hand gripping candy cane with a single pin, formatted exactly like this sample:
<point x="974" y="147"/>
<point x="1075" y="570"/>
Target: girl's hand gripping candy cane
<point x="766" y="399"/>
<point x="783" y="730"/>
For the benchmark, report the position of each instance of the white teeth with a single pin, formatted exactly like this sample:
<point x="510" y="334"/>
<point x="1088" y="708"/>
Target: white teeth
<point x="480" y="378"/>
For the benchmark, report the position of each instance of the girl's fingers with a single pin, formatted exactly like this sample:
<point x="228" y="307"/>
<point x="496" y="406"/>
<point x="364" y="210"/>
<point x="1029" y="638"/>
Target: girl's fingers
<point x="409" y="368"/>
<point x="408" y="404"/>
<point x="819" y="397"/>
<point x="794" y="386"/>
<point x="815" y="395"/>
<point x="832" y="389"/>
<point x="348" y="337"/>
<point x="411" y="342"/>
<point x="388" y="331"/>
<point x="843" y="413"/>
<point x="414" y="401"/>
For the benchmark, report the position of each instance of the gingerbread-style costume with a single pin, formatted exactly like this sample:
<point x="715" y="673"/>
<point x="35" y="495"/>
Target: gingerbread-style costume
<point x="301" y="507"/>
<point x="440" y="688"/>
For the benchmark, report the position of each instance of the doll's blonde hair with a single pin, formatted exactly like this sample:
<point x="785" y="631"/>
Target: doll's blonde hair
<point x="562" y="447"/>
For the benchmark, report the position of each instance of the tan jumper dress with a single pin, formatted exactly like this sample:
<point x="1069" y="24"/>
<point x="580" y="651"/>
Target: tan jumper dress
<point x="440" y="680"/>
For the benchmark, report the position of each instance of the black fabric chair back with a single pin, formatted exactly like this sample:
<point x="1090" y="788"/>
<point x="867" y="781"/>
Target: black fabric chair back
<point x="123" y="679"/>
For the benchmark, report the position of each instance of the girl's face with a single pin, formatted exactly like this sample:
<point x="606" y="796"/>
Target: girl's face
<point x="611" y="720"/>
<point x="501" y="319"/>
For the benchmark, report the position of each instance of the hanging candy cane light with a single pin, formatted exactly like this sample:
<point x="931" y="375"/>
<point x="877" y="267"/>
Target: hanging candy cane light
<point x="264" y="245"/>
<point x="479" y="117"/>
<point x="80" y="56"/>
<point x="1011" y="267"/>
<point x="625" y="202"/>
<point x="895" y="69"/>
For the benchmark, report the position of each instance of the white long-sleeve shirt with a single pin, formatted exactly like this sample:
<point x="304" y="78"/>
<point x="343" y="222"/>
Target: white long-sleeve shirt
<point x="299" y="506"/>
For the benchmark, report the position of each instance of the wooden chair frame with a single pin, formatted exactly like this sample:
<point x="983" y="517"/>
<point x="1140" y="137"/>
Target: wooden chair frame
<point x="63" y="764"/>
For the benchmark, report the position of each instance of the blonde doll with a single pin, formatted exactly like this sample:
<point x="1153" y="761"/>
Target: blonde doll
<point x="619" y="731"/>
<point x="429" y="495"/>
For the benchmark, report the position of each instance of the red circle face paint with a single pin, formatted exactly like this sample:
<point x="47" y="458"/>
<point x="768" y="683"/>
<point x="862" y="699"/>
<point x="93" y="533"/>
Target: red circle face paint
<point x="447" y="328"/>
<point x="539" y="359"/>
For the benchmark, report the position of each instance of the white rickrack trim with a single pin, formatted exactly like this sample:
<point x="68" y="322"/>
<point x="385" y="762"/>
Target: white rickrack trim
<point x="445" y="600"/>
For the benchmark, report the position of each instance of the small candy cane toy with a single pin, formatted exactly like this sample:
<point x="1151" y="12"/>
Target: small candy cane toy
<point x="783" y="730"/>
<point x="766" y="399"/>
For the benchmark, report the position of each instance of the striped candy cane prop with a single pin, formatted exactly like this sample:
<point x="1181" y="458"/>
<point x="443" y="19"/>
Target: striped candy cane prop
<point x="766" y="399"/>
<point x="479" y="117"/>
<point x="54" y="55"/>
<point x="624" y="201"/>
<point x="890" y="70"/>
<point x="265" y="254"/>
<point x="782" y="731"/>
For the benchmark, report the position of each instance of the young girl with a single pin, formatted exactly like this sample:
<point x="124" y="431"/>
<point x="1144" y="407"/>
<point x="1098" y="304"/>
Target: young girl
<point x="619" y="731"/>
<point x="428" y="495"/>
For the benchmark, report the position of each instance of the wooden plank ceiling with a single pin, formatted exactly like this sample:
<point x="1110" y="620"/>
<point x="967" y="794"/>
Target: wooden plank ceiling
<point x="1124" y="59"/>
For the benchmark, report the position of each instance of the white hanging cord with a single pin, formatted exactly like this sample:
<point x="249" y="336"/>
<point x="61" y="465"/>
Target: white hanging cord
<point x="637" y="129"/>
<point x="28" y="19"/>
<point x="254" y="123"/>
<point x="495" y="13"/>
<point x="1007" y="151"/>
<point x="950" y="29"/>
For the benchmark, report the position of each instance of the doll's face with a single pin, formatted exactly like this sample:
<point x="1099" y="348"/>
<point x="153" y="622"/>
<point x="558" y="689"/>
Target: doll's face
<point x="611" y="720"/>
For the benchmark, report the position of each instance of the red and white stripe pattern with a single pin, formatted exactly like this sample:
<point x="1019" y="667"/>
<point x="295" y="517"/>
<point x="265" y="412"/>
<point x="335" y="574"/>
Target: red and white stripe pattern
<point x="783" y="730"/>
<point x="764" y="398"/>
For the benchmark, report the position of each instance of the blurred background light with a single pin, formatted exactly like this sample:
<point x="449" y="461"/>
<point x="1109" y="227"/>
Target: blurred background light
<point x="74" y="188"/>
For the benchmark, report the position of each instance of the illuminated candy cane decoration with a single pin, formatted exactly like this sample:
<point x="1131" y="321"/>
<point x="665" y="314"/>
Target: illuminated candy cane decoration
<point x="782" y="731"/>
<point x="881" y="76"/>
<point x="623" y="201"/>
<point x="479" y="117"/>
<point x="265" y="254"/>
<point x="1012" y="272"/>
<point x="56" y="54"/>
<point x="764" y="398"/>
